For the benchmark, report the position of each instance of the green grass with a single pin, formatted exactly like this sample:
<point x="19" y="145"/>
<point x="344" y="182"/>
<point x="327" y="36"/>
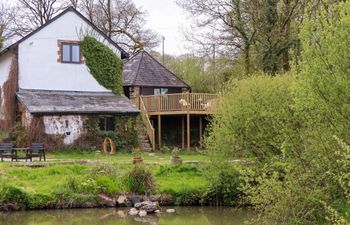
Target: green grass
<point x="66" y="174"/>
<point x="121" y="157"/>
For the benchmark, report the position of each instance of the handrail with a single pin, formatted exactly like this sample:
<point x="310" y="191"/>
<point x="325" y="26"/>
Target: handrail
<point x="180" y="102"/>
<point x="145" y="118"/>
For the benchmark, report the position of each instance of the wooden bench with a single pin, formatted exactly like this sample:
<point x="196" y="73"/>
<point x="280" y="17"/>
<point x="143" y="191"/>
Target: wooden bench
<point x="6" y="151"/>
<point x="36" y="150"/>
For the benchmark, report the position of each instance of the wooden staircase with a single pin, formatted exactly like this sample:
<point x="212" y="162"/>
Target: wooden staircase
<point x="147" y="141"/>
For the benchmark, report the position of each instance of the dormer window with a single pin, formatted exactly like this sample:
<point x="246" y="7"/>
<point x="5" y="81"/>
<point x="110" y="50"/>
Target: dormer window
<point x="69" y="52"/>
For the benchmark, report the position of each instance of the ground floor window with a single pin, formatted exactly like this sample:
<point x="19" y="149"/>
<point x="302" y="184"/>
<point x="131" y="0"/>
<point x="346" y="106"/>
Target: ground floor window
<point x="107" y="123"/>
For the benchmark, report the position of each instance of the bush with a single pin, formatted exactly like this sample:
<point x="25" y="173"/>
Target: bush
<point x="12" y="196"/>
<point x="41" y="201"/>
<point x="104" y="64"/>
<point x="224" y="189"/>
<point x="139" y="180"/>
<point x="253" y="119"/>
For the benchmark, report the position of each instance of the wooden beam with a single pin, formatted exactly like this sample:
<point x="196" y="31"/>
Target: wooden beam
<point x="183" y="131"/>
<point x="200" y="132"/>
<point x="188" y="132"/>
<point x="159" y="131"/>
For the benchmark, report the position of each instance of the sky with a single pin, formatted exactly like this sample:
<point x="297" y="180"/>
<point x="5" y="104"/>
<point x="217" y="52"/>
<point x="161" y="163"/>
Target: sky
<point x="167" y="19"/>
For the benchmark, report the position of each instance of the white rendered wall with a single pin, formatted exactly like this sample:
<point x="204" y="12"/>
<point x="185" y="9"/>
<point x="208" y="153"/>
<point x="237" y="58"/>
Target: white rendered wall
<point x="38" y="66"/>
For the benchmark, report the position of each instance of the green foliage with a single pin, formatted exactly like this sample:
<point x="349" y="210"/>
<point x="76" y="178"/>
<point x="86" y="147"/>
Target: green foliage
<point x="199" y="72"/>
<point x="253" y="119"/>
<point x="287" y="125"/>
<point x="139" y="180"/>
<point x="125" y="135"/>
<point x="14" y="196"/>
<point x="103" y="63"/>
<point x="224" y="189"/>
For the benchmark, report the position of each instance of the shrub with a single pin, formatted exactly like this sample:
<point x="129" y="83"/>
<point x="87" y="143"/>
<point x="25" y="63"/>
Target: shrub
<point x="253" y="118"/>
<point x="139" y="180"/>
<point x="104" y="64"/>
<point x="15" y="197"/>
<point x="41" y="201"/>
<point x="224" y="189"/>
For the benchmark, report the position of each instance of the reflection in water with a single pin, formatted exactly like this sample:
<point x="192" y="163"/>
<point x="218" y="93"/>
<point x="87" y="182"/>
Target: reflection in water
<point x="183" y="215"/>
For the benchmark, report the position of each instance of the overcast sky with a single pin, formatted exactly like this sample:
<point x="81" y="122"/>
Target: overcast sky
<point x="167" y="19"/>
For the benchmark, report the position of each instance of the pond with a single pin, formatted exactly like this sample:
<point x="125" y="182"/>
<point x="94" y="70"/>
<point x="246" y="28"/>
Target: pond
<point x="183" y="215"/>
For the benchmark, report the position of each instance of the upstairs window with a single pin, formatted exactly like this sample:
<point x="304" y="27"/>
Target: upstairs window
<point x="70" y="53"/>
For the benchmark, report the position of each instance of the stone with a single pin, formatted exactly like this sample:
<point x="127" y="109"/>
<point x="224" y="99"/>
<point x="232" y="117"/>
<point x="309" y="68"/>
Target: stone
<point x="135" y="199"/>
<point x="157" y="211"/>
<point x="170" y="210"/>
<point x="155" y="198"/>
<point x="142" y="213"/>
<point x="140" y="204"/>
<point x="123" y="201"/>
<point x="106" y="201"/>
<point x="133" y="212"/>
<point x="151" y="207"/>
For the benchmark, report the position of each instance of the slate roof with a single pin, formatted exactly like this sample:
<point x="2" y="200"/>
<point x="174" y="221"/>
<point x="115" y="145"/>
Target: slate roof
<point x="144" y="70"/>
<point x="44" y="102"/>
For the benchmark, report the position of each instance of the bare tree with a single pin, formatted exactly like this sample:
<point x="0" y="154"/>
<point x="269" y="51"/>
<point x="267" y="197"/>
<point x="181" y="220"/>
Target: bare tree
<point x="225" y="23"/>
<point x="35" y="13"/>
<point x="122" y="21"/>
<point x="7" y="17"/>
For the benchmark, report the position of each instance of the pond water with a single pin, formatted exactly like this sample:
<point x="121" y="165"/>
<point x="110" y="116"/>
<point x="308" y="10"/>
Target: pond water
<point x="183" y="216"/>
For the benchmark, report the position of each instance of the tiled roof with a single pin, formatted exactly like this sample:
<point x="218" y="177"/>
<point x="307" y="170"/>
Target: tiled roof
<point x="144" y="70"/>
<point x="70" y="102"/>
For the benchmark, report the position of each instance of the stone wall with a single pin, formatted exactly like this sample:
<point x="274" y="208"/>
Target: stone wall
<point x="70" y="127"/>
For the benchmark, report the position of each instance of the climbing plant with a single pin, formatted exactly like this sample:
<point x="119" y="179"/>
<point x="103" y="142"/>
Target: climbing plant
<point x="103" y="64"/>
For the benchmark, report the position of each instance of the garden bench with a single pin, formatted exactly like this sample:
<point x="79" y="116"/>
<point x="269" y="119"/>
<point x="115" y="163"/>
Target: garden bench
<point x="36" y="150"/>
<point x="7" y="151"/>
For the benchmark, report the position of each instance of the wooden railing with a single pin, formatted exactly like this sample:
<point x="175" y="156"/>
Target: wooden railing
<point x="147" y="122"/>
<point x="180" y="102"/>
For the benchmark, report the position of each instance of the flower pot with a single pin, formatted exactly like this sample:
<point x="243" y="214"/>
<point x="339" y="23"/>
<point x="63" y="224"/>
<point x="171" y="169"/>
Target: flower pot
<point x="176" y="160"/>
<point x="137" y="160"/>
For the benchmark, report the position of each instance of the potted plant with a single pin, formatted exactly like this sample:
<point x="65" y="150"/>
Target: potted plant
<point x="137" y="158"/>
<point x="175" y="158"/>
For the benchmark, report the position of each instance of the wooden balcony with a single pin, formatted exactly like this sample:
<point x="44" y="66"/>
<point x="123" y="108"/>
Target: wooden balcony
<point x="175" y="104"/>
<point x="178" y="104"/>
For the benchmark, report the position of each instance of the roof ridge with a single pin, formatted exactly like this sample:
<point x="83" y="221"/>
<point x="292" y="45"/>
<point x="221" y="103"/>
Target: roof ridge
<point x="68" y="9"/>
<point x="138" y="67"/>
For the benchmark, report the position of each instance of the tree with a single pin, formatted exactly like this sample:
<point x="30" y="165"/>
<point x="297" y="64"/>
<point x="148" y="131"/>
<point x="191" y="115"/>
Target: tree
<point x="32" y="14"/>
<point x="247" y="29"/>
<point x="120" y="20"/>
<point x="7" y="16"/>
<point x="225" y="22"/>
<point x="275" y="36"/>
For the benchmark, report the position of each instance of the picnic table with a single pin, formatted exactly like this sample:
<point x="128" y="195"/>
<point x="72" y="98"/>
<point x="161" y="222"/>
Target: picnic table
<point x="8" y="151"/>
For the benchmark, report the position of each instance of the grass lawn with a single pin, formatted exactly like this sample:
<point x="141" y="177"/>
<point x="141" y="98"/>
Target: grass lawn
<point x="125" y="158"/>
<point x="65" y="174"/>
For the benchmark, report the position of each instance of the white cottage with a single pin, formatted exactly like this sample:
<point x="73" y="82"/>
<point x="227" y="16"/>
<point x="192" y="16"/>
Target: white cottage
<point x="44" y="76"/>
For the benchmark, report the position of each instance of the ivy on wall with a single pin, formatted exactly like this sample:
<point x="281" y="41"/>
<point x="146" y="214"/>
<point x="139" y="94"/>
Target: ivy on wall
<point x="124" y="136"/>
<point x="104" y="64"/>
